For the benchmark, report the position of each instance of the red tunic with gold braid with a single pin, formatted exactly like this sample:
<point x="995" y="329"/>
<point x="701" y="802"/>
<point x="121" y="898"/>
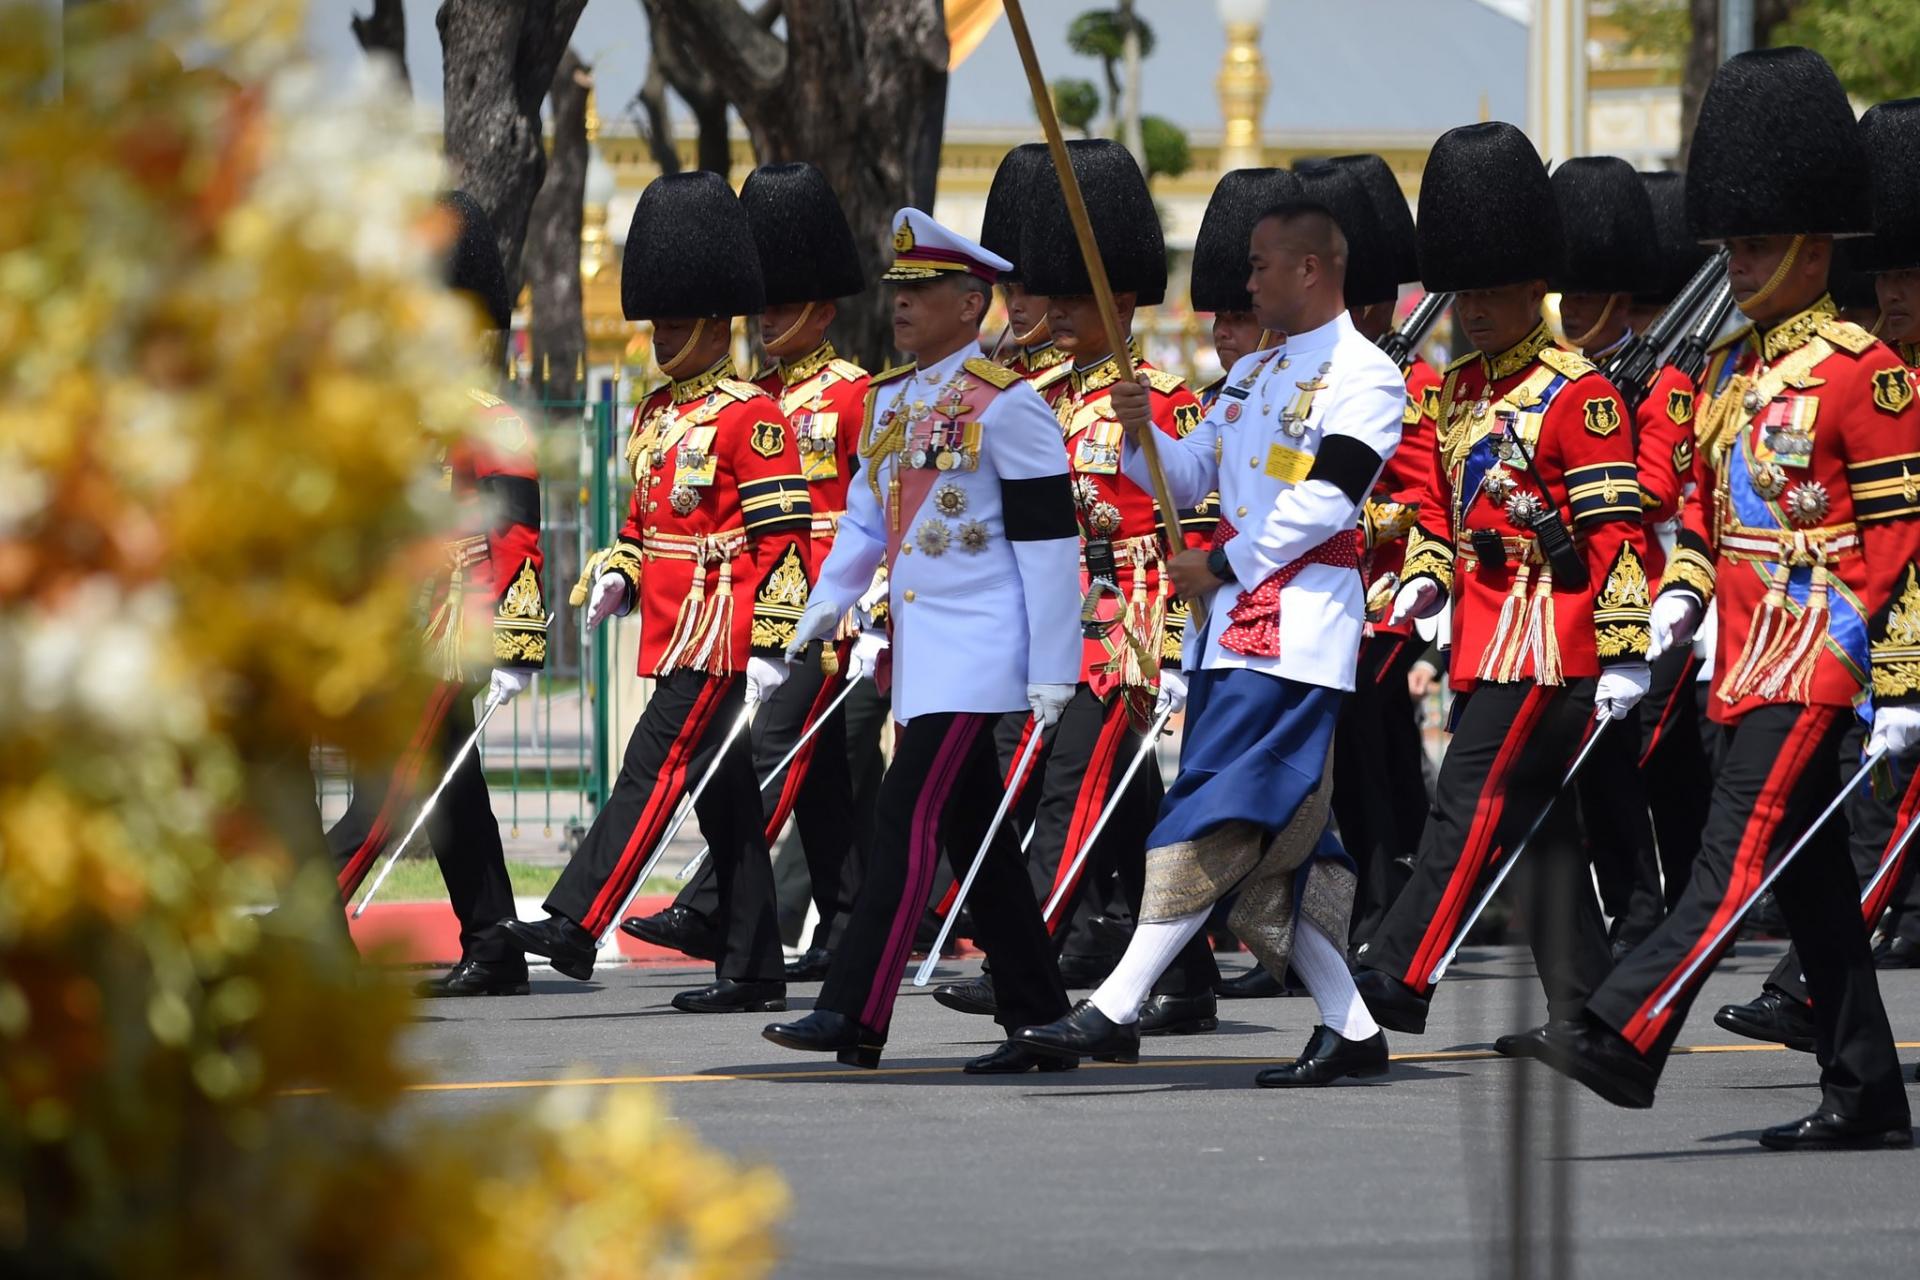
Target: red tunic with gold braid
<point x="1031" y="362"/>
<point x="1804" y="526"/>
<point x="1511" y="619"/>
<point x="824" y="398"/>
<point x="1664" y="428"/>
<point x="1387" y="516"/>
<point x="493" y="582"/>
<point x="1113" y="507"/>
<point x="717" y="547"/>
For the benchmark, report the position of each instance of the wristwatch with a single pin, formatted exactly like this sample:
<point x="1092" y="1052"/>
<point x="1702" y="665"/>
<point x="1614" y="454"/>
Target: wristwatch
<point x="1217" y="564"/>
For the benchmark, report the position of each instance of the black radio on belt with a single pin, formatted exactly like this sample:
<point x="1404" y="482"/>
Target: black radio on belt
<point x="1100" y="560"/>
<point x="1489" y="548"/>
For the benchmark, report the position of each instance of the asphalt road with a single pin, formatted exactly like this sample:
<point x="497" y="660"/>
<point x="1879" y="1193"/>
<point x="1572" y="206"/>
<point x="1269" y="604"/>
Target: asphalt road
<point x="1177" y="1167"/>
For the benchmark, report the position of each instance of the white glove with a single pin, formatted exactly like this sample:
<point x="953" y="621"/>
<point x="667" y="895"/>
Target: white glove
<point x="1620" y="687"/>
<point x="1675" y="617"/>
<point x="1048" y="701"/>
<point x="817" y="623"/>
<point x="609" y="597"/>
<point x="507" y="684"/>
<point x="1895" y="728"/>
<point x="865" y="658"/>
<point x="764" y="675"/>
<point x="1417" y="599"/>
<point x="1173" y="692"/>
<point x="874" y="594"/>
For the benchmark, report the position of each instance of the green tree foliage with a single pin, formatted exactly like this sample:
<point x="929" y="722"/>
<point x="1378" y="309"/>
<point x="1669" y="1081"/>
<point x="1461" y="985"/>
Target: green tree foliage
<point x="1873" y="44"/>
<point x="1166" y="144"/>
<point x="1076" y="102"/>
<point x="1102" y="34"/>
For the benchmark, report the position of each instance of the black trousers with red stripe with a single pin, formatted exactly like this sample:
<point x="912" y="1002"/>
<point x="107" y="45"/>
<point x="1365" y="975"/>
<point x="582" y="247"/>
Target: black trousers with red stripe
<point x="1511" y="747"/>
<point x="816" y="790"/>
<point x="1781" y="768"/>
<point x="1674" y="766"/>
<point x="462" y="829"/>
<point x="1379" y="790"/>
<point x="939" y="793"/>
<point x="680" y="729"/>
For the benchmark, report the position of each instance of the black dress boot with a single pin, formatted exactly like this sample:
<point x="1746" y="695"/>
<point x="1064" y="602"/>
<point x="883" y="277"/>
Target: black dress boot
<point x="728" y="996"/>
<point x="824" y="1031"/>
<point x="1393" y="1004"/>
<point x="1897" y="953"/>
<point x="1830" y="1131"/>
<point x="567" y="946"/>
<point x="1329" y="1056"/>
<point x="810" y="966"/>
<point x="1531" y="1043"/>
<point x="1597" y="1056"/>
<point x="1014" y="1058"/>
<point x="477" y="978"/>
<point x="1179" y="1015"/>
<point x="677" y="928"/>
<point x="1255" y="984"/>
<point x="973" y="996"/>
<point x="1084" y="1033"/>
<point x="1775" y="1017"/>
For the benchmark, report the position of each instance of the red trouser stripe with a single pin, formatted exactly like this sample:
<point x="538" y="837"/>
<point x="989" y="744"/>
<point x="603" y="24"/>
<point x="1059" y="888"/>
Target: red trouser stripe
<point x="923" y="852"/>
<point x="1387" y="660"/>
<point x="1095" y="785"/>
<point x="400" y="789"/>
<point x="1668" y="707"/>
<point x="1749" y="863"/>
<point x="1479" y="849"/>
<point x="668" y="783"/>
<point x="1876" y="904"/>
<point x="797" y="767"/>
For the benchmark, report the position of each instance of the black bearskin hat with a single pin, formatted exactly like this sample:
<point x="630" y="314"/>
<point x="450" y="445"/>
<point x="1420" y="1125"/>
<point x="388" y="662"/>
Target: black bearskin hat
<point x="1125" y="225"/>
<point x="1369" y="258"/>
<point x="1487" y="213"/>
<point x="473" y="265"/>
<point x="1008" y="202"/>
<point x="1390" y="211"/>
<point x="805" y="246"/>
<point x="1611" y="243"/>
<point x="1891" y="133"/>
<point x="1218" y="281"/>
<point x="1776" y="151"/>
<point x="1680" y="254"/>
<point x="690" y="252"/>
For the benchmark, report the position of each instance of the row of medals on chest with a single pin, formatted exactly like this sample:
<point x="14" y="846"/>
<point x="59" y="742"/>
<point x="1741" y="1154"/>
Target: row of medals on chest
<point x="936" y="437"/>
<point x="693" y="465"/>
<point x="1787" y="443"/>
<point x="1500" y="484"/>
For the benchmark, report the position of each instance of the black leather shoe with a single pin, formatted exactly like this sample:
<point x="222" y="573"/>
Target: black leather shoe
<point x="1774" y="1017"/>
<point x="972" y="996"/>
<point x="1531" y="1043"/>
<point x="1179" y="1015"/>
<point x="1011" y="1059"/>
<point x="1111" y="930"/>
<point x="1084" y="1033"/>
<point x="567" y="946"/>
<point x="824" y="1031"/>
<point x="477" y="978"/>
<point x="1329" y="1057"/>
<point x="1393" y="1004"/>
<point x="1897" y="953"/>
<point x="728" y="996"/>
<point x="1086" y="971"/>
<point x="1255" y="984"/>
<point x="1598" y="1057"/>
<point x="810" y="965"/>
<point x="677" y="928"/>
<point x="1828" y="1131"/>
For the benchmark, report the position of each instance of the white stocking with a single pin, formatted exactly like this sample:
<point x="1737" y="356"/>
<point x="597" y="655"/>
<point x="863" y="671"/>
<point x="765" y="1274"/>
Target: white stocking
<point x="1321" y="966"/>
<point x="1153" y="948"/>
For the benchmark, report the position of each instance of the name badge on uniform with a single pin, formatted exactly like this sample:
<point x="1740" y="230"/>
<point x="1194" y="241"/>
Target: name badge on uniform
<point x="1097" y="452"/>
<point x="1289" y="466"/>
<point x="693" y="460"/>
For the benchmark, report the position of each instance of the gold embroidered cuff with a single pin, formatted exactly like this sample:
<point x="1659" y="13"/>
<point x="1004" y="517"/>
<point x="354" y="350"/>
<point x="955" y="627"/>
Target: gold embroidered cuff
<point x="1691" y="571"/>
<point x="1430" y="556"/>
<point x="1385" y="521"/>
<point x="778" y="604"/>
<point x="1172" y="632"/>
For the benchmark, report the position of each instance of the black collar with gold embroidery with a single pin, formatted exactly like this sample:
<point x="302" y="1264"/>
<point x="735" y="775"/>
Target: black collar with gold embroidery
<point x="794" y="372"/>
<point x="1796" y="331"/>
<point x="1044" y="356"/>
<point x="1106" y="373"/>
<point x="1520" y="355"/>
<point x="701" y="385"/>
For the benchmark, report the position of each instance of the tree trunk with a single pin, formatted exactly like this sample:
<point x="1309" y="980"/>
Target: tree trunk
<point x="383" y="33"/>
<point x="684" y="67"/>
<point x="858" y="87"/>
<point x="553" y="241"/>
<point x="500" y="56"/>
<point x="1703" y="59"/>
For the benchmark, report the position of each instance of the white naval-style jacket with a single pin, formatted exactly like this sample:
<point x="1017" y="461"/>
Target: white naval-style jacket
<point x="977" y="621"/>
<point x="1288" y="494"/>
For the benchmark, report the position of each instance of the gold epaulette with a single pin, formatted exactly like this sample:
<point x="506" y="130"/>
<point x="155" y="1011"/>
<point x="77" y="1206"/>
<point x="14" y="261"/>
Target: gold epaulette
<point x="1846" y="335"/>
<point x="740" y="388"/>
<point x="1165" y="381"/>
<point x="1568" y="364"/>
<point x="485" y="399"/>
<point x="890" y="375"/>
<point x="999" y="377"/>
<point x="846" y="369"/>
<point x="1046" y="378"/>
<point x="1460" y="362"/>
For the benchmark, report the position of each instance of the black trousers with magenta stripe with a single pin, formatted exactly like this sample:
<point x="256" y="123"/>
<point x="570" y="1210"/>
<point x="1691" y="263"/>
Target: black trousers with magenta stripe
<point x="680" y="729"/>
<point x="1781" y="768"/>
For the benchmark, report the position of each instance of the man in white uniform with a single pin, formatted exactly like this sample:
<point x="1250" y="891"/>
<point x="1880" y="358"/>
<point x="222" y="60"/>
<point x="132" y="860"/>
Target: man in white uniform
<point x="964" y="495"/>
<point x="1293" y="444"/>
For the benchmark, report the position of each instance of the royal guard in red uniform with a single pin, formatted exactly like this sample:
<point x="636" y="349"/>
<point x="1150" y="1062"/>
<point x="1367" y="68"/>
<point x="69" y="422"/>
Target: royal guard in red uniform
<point x="1128" y="620"/>
<point x="1804" y="530"/>
<point x="807" y="261"/>
<point x="1026" y="346"/>
<point x="714" y="559"/>
<point x="1379" y="783"/>
<point x="1532" y="522"/>
<point x="1890" y="260"/>
<point x="491" y="605"/>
